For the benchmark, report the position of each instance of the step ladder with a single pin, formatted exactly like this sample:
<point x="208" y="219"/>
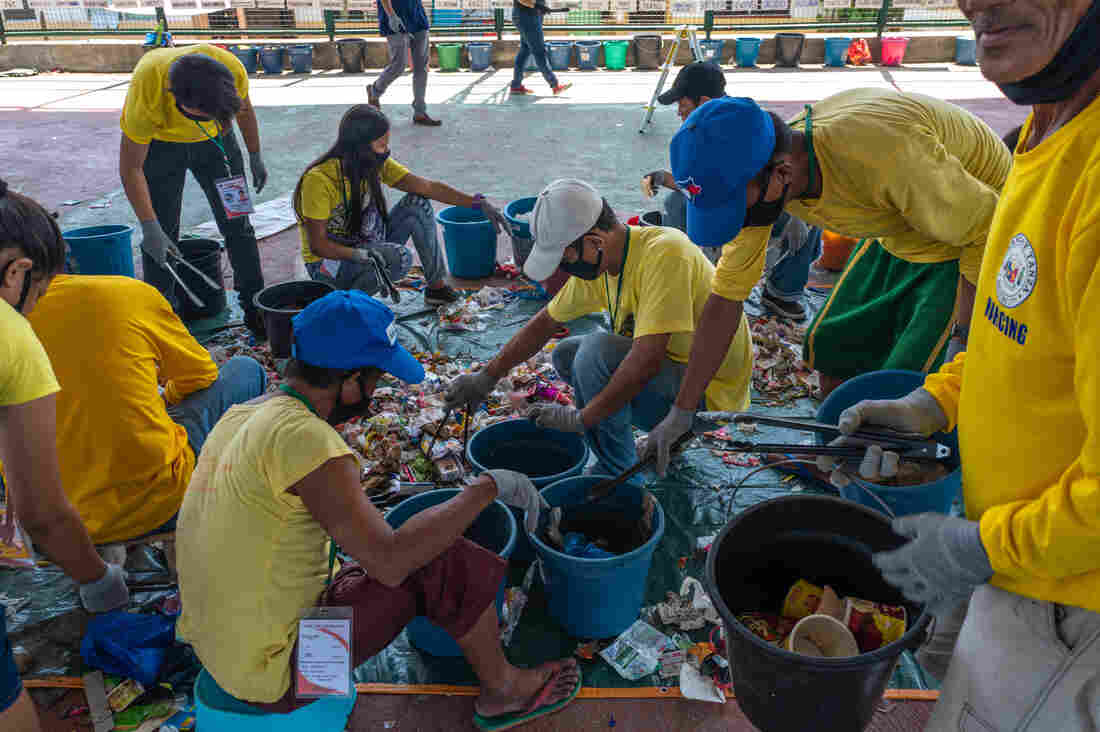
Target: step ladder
<point x="683" y="32"/>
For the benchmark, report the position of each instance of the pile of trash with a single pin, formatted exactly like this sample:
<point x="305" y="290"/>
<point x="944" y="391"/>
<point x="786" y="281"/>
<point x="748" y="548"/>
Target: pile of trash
<point x="779" y="374"/>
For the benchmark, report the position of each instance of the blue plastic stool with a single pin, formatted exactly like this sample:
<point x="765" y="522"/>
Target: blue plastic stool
<point x="218" y="711"/>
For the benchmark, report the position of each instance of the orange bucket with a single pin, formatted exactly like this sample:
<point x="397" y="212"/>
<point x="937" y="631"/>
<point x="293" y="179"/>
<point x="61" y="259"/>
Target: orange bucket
<point x="835" y="250"/>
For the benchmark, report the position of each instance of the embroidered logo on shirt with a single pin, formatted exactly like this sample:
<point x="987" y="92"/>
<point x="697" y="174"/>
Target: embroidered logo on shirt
<point x="690" y="188"/>
<point x="1018" y="273"/>
<point x="391" y="332"/>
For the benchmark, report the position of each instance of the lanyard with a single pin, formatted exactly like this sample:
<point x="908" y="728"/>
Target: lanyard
<point x="619" y="291"/>
<point x="291" y="391"/>
<point x="216" y="141"/>
<point x="810" y="148"/>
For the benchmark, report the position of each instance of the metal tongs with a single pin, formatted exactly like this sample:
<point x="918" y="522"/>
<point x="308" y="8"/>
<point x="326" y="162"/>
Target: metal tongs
<point x="384" y="281"/>
<point x="195" y="299"/>
<point x="605" y="488"/>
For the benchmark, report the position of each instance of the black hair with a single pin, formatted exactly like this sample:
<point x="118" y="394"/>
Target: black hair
<point x="321" y="377"/>
<point x="1012" y="139"/>
<point x="200" y="82"/>
<point x="360" y="126"/>
<point x="606" y="222"/>
<point x="25" y="225"/>
<point x="784" y="144"/>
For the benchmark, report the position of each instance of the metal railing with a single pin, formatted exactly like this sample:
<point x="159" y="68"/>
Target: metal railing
<point x="237" y="19"/>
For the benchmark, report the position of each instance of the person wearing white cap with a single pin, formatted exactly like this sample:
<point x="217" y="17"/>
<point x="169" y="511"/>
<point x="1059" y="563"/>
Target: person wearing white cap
<point x="652" y="282"/>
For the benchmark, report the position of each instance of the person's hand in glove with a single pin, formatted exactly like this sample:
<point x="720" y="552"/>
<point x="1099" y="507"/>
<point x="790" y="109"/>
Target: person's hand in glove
<point x="561" y="417"/>
<point x="259" y="170"/>
<point x="652" y="181"/>
<point x="156" y="243"/>
<point x="917" y="413"/>
<point x="942" y="564"/>
<point x="660" y="439"/>
<point x="516" y="490"/>
<point x="109" y="592"/>
<point x="496" y="217"/>
<point x="395" y="22"/>
<point x="469" y="390"/>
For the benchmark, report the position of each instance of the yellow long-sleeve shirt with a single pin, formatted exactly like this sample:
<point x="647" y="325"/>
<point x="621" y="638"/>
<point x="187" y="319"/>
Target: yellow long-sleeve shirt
<point x="1026" y="394"/>
<point x="112" y="340"/>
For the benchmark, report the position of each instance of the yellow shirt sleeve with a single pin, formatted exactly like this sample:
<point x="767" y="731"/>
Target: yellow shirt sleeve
<point x="576" y="298"/>
<point x="742" y="264"/>
<point x="668" y="304"/>
<point x="185" y="365"/>
<point x="393" y="172"/>
<point x="320" y="195"/>
<point x="141" y="115"/>
<point x="946" y="386"/>
<point x="297" y="448"/>
<point x="25" y="371"/>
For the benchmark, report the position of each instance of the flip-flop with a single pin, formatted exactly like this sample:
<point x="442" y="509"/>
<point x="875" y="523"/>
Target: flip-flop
<point x="534" y="711"/>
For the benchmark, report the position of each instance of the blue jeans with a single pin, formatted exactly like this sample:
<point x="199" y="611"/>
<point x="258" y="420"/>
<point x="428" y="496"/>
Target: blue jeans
<point x="587" y="363"/>
<point x="532" y="42"/>
<point x="239" y="380"/>
<point x="11" y="686"/>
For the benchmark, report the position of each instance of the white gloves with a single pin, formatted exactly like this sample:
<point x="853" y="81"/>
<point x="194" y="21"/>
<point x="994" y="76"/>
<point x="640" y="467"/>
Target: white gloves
<point x="516" y="490"/>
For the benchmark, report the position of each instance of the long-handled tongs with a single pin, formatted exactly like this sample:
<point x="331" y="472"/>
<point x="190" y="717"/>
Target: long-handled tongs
<point x="605" y="488"/>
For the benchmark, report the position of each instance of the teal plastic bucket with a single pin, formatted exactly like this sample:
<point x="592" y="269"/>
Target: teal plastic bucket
<point x="966" y="51"/>
<point x="102" y="250"/>
<point x="470" y="241"/>
<point x="560" y="53"/>
<point x="588" y="55"/>
<point x="836" y="51"/>
<point x="937" y="496"/>
<point x="712" y="49"/>
<point x="495" y="529"/>
<point x="747" y="50"/>
<point x="614" y="54"/>
<point x="249" y="56"/>
<point x="272" y="59"/>
<point x="545" y="456"/>
<point x="522" y="243"/>
<point x="218" y="711"/>
<point x="301" y="58"/>
<point x="480" y="55"/>
<point x="596" y="598"/>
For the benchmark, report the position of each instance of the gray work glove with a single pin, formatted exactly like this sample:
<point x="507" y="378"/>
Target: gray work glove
<point x="109" y="592"/>
<point x="652" y="181"/>
<point x="660" y="439"/>
<point x="496" y="217"/>
<point x="942" y="564"/>
<point x="156" y="243"/>
<point x="559" y="417"/>
<point x="916" y="413"/>
<point x="395" y="22"/>
<point x="469" y="390"/>
<point x="516" y="490"/>
<point x="259" y="170"/>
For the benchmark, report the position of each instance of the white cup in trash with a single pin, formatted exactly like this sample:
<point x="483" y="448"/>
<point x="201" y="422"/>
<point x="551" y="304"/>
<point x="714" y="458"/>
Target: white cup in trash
<point x="822" y="636"/>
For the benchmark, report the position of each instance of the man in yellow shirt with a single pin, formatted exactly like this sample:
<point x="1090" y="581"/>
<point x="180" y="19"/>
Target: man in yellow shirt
<point x="652" y="283"/>
<point x="1026" y="398"/>
<point x="32" y="252"/>
<point x="127" y="452"/>
<point x="178" y="116"/>
<point x="275" y="481"/>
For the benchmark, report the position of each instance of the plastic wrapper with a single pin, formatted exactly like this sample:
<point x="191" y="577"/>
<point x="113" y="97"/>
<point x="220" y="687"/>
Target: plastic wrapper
<point x="637" y="652"/>
<point x="16" y="551"/>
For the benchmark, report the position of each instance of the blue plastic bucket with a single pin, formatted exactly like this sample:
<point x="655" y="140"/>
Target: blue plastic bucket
<point x="747" y="49"/>
<point x="495" y="529"/>
<point x="522" y="243"/>
<point x="217" y="711"/>
<point x="102" y="250"/>
<point x="937" y="496"/>
<point x="560" y="53"/>
<point x="480" y="55"/>
<point x="248" y="55"/>
<point x="470" y="241"/>
<point x="272" y="58"/>
<point x="966" y="51"/>
<point x="595" y="598"/>
<point x="588" y="55"/>
<point x="836" y="51"/>
<point x="712" y="49"/>
<point x="301" y="58"/>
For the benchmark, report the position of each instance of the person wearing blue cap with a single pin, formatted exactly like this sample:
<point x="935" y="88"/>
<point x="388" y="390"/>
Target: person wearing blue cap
<point x="276" y="483"/>
<point x="917" y="178"/>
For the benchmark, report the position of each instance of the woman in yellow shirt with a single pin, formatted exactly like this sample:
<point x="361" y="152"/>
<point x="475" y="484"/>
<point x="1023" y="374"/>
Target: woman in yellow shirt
<point x="349" y="237"/>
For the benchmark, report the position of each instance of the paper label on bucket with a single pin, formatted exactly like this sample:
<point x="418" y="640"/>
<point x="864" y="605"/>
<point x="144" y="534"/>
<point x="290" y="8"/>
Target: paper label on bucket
<point x="324" y="653"/>
<point x="235" y="198"/>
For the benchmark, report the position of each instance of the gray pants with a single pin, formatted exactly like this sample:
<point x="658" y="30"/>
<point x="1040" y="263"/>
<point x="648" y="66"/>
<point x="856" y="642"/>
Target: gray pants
<point x="399" y="44"/>
<point x="1022" y="665"/>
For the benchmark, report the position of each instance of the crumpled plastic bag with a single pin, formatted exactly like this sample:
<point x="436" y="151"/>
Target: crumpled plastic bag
<point x="130" y="645"/>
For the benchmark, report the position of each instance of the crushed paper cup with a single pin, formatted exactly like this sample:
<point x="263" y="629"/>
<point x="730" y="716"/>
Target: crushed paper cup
<point x="822" y="636"/>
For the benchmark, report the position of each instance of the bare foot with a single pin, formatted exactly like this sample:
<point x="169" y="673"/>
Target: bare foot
<point x="523" y="691"/>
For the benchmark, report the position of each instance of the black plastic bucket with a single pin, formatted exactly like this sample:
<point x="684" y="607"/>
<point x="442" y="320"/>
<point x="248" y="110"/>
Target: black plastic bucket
<point x="353" y="53"/>
<point x="279" y="303"/>
<point x="647" y="52"/>
<point x="206" y="256"/>
<point x="751" y="566"/>
<point x="788" y="48"/>
<point x="651" y="218"/>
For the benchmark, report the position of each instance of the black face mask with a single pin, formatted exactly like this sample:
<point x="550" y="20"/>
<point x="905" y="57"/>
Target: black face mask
<point x="343" y="412"/>
<point x="195" y="117"/>
<point x="766" y="213"/>
<point x="581" y="268"/>
<point x="381" y="158"/>
<point x="26" y="286"/>
<point x="1074" y="64"/>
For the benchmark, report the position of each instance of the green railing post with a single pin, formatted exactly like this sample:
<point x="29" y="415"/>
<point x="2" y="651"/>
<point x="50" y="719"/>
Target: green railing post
<point x="882" y="13"/>
<point x="3" y="36"/>
<point x="330" y="25"/>
<point x="161" y="18"/>
<point x="498" y="22"/>
<point x="708" y="22"/>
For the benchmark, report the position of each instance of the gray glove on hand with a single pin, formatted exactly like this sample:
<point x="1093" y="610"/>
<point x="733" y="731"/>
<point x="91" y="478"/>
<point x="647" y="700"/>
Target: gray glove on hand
<point x="942" y="564"/>
<point x="109" y="592"/>
<point x="395" y="22"/>
<point x="916" y="413"/>
<point x="469" y="390"/>
<point x="556" y="417"/>
<point x="496" y="217"/>
<point x="660" y="439"/>
<point x="156" y="243"/>
<point x="259" y="170"/>
<point x="516" y="490"/>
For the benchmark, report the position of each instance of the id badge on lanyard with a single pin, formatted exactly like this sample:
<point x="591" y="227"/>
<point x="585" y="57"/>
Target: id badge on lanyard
<point x="323" y="666"/>
<point x="233" y="189"/>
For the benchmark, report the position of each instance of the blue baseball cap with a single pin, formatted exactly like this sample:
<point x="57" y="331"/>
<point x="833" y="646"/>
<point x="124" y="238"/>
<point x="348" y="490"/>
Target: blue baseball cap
<point x="348" y="329"/>
<point x="721" y="146"/>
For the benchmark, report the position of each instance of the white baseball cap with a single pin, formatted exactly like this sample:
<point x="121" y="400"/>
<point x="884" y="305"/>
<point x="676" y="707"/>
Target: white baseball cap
<point x="565" y="210"/>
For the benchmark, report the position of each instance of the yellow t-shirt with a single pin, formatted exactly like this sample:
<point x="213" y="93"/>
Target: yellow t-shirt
<point x="125" y="463"/>
<point x="667" y="280"/>
<point x="25" y="372"/>
<point x="323" y="200"/>
<point x="920" y="174"/>
<point x="251" y="558"/>
<point x="150" y="113"/>
<point x="1026" y="394"/>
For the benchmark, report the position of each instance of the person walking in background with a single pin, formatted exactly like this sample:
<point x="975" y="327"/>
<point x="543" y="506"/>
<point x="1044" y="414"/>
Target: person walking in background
<point x="527" y="17"/>
<point x="405" y="26"/>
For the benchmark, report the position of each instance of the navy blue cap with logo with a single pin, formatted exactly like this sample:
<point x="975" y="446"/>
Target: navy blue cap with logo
<point x="721" y="146"/>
